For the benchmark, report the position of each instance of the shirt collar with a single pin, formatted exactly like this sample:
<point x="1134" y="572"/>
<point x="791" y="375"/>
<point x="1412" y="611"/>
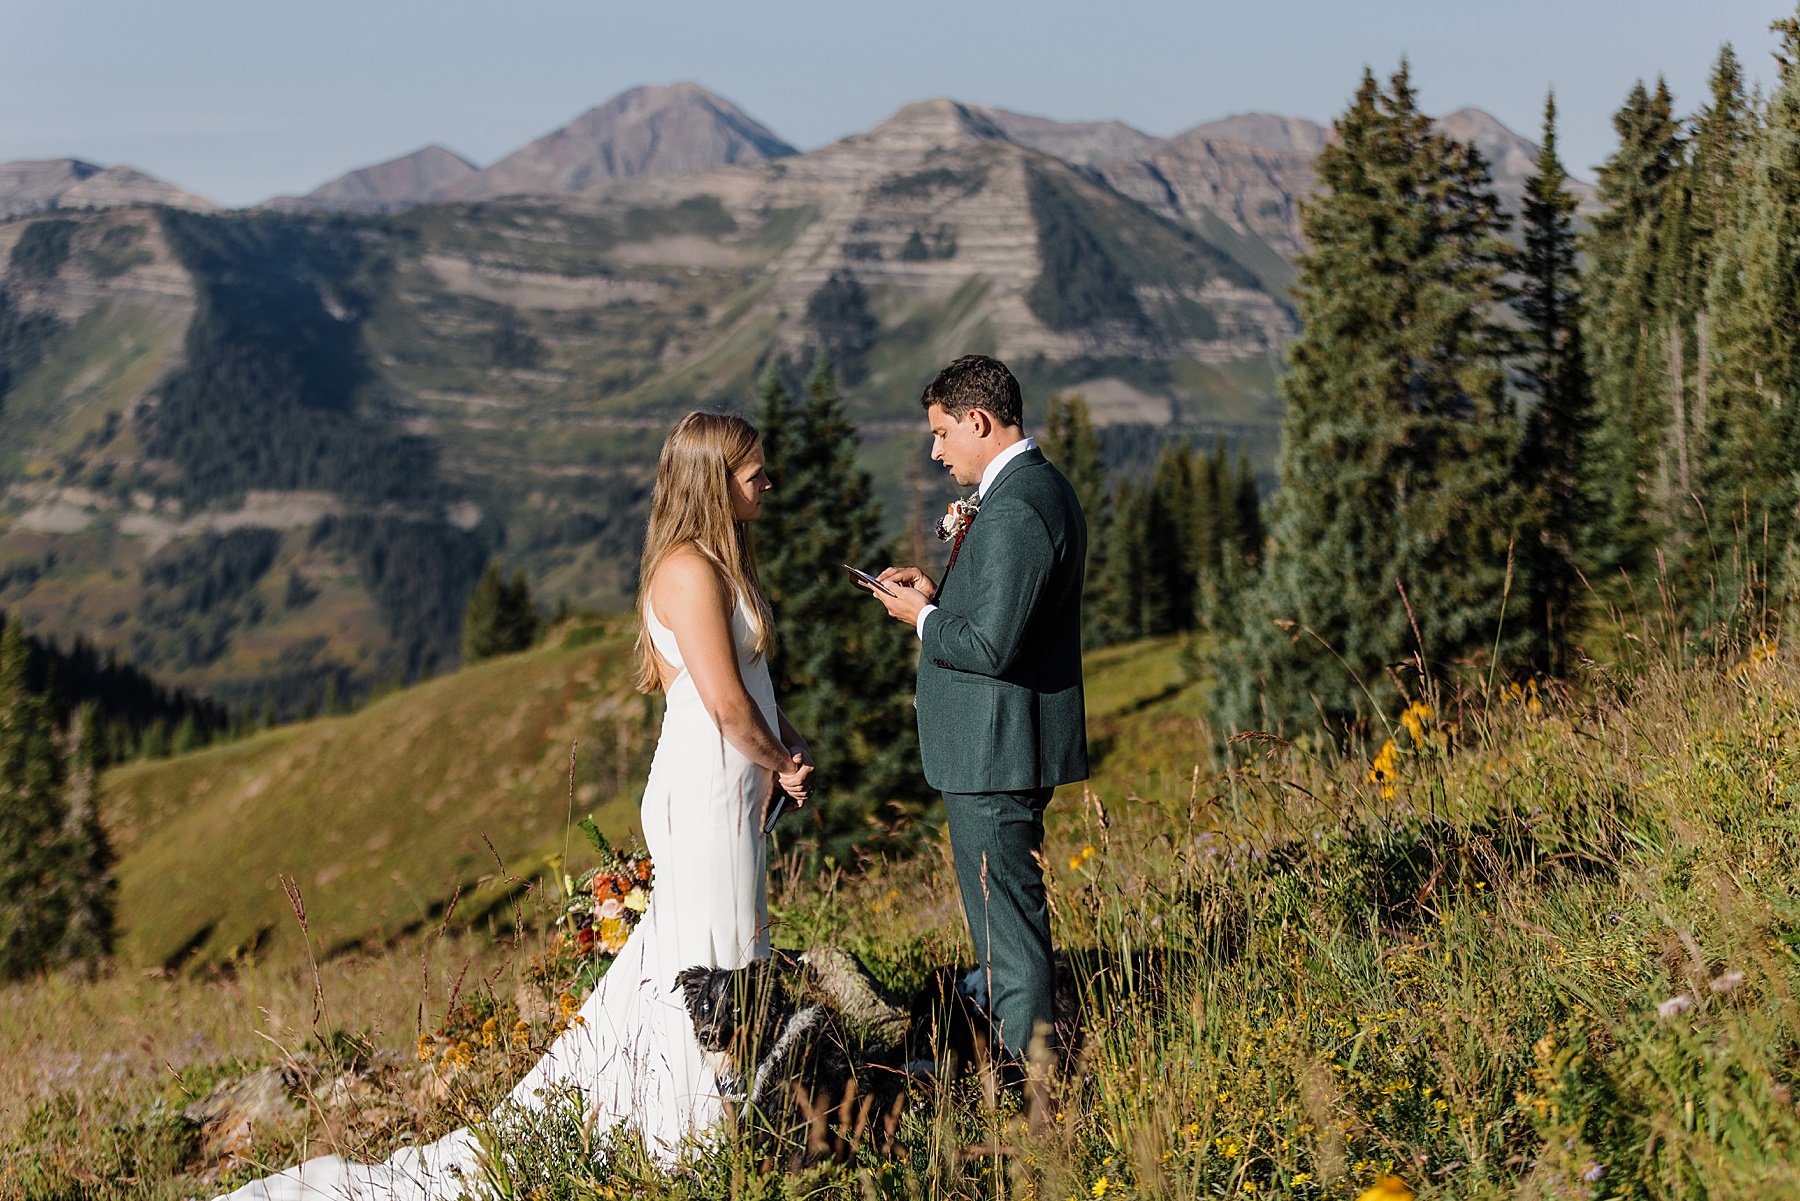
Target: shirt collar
<point x="1000" y="461"/>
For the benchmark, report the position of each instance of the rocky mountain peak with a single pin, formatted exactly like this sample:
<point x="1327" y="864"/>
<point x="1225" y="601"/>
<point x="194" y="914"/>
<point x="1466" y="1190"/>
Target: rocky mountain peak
<point x="1086" y="143"/>
<point x="34" y="185"/>
<point x="1508" y="154"/>
<point x="384" y="186"/>
<point x="927" y="125"/>
<point x="669" y="129"/>
<point x="1262" y="131"/>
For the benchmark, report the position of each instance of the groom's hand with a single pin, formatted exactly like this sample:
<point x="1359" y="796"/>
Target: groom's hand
<point x="909" y="577"/>
<point x="906" y="600"/>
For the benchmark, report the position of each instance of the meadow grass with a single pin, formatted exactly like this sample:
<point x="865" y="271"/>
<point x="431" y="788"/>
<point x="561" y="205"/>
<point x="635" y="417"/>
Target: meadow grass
<point x="1547" y="948"/>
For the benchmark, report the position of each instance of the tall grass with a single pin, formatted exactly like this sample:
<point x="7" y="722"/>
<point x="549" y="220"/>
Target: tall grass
<point x="1548" y="950"/>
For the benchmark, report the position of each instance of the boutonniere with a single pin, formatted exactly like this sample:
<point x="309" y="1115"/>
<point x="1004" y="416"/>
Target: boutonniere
<point x="955" y="521"/>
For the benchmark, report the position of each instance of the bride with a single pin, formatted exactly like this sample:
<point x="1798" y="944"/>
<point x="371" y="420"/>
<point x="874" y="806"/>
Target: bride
<point x="704" y="634"/>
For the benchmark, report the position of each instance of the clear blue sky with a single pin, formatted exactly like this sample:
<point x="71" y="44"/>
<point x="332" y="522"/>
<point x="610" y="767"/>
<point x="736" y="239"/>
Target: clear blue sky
<point x="242" y="99"/>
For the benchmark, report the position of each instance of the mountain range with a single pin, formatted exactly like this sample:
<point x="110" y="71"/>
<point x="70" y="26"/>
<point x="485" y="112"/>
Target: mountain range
<point x="266" y="453"/>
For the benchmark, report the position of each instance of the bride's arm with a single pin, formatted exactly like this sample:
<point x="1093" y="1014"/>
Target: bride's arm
<point x="691" y="599"/>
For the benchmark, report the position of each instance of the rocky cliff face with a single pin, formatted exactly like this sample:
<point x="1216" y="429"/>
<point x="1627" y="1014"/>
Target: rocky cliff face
<point x="35" y="185"/>
<point x="384" y="187"/>
<point x="670" y="130"/>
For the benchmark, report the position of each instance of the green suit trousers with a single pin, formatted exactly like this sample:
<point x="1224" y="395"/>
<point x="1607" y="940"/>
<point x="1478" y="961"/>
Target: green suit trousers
<point x="996" y="839"/>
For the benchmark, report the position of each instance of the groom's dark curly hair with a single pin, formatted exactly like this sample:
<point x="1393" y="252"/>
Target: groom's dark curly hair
<point x="976" y="382"/>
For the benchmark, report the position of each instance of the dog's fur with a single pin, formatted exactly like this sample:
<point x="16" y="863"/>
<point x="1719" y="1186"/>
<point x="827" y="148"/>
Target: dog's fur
<point x="790" y="1069"/>
<point x="814" y="1060"/>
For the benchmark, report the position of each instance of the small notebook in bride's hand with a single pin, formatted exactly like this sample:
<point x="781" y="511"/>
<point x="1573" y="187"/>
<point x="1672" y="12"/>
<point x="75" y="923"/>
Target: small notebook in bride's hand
<point x="777" y="807"/>
<point x="863" y="577"/>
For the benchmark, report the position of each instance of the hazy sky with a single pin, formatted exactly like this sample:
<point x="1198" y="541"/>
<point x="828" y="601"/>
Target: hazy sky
<point x="242" y="99"/>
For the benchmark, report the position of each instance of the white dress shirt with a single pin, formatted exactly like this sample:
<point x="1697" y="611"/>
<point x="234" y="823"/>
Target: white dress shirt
<point x="988" y="476"/>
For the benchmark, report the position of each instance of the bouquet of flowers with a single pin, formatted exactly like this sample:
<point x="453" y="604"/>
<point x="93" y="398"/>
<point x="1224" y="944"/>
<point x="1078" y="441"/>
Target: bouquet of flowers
<point x="597" y="912"/>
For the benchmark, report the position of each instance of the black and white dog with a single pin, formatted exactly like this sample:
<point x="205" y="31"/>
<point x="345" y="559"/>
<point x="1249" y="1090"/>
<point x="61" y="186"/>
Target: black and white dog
<point x="806" y="1050"/>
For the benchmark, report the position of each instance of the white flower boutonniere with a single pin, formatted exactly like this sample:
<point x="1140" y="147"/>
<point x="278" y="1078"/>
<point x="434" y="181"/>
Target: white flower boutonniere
<point x="956" y="520"/>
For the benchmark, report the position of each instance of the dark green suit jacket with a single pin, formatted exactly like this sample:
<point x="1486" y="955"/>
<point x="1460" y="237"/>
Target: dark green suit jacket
<point x="1000" y="701"/>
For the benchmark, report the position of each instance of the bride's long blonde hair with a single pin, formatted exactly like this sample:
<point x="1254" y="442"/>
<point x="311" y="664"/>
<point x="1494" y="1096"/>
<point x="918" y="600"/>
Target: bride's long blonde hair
<point x="692" y="504"/>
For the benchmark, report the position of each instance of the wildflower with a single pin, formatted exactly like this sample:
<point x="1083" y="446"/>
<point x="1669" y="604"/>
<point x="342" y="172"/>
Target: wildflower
<point x="1727" y="982"/>
<point x="1301" y="1178"/>
<point x="1593" y="1172"/>
<point x="1675" y="1006"/>
<point x="1387" y="1187"/>
<point x="1414" y="719"/>
<point x="1100" y="1187"/>
<point x="521" y="1034"/>
<point x="426" y="1048"/>
<point x="490" y="1032"/>
<point x="566" y="1004"/>
<point x="1384" y="772"/>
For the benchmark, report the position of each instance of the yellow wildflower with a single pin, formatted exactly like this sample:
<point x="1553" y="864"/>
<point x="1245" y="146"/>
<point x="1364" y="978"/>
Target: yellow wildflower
<point x="1100" y="1187"/>
<point x="426" y="1048"/>
<point x="1385" y="770"/>
<point x="490" y="1032"/>
<point x="1386" y="1188"/>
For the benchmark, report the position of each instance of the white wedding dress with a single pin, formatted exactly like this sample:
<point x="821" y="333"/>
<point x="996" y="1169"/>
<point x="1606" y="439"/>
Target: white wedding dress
<point x="633" y="1056"/>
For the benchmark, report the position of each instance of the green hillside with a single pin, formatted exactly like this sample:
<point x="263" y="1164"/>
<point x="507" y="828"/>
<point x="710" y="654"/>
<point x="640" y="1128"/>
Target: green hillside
<point x="381" y="816"/>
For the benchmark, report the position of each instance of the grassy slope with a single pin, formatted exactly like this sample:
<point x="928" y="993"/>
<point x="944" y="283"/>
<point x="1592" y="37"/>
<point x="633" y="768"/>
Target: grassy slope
<point x="380" y="816"/>
<point x="1457" y="979"/>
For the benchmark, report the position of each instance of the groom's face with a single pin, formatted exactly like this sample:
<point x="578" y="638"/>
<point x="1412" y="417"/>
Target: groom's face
<point x="960" y="444"/>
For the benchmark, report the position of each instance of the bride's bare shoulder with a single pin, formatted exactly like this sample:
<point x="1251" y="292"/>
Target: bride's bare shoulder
<point x="685" y="579"/>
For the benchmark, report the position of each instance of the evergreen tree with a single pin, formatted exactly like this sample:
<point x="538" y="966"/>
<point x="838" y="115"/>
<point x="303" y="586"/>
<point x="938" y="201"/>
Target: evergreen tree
<point x="1119" y="610"/>
<point x="1070" y="441"/>
<point x="1553" y="454"/>
<point x="843" y="668"/>
<point x="1398" y="442"/>
<point x="35" y="897"/>
<point x="88" y="859"/>
<point x="1171" y="547"/>
<point x="501" y="617"/>
<point x="1626" y="315"/>
<point x="1754" y="293"/>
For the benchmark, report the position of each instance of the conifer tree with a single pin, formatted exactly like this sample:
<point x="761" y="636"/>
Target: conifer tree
<point x="35" y="897"/>
<point x="88" y="859"/>
<point x="1626" y="314"/>
<point x="501" y="617"/>
<point x="1172" y="551"/>
<point x="1754" y="292"/>
<point x="1119" y="610"/>
<point x="1553" y="454"/>
<point x="1070" y="441"/>
<point x="843" y="668"/>
<point x="1398" y="444"/>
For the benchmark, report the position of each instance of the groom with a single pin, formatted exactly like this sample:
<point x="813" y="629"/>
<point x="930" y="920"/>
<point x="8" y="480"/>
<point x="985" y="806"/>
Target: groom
<point x="1001" y="721"/>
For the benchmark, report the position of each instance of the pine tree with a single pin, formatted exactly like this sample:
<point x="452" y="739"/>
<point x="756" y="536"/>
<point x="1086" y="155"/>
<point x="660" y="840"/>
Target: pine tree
<point x="1119" y="608"/>
<point x="1753" y="294"/>
<point x="88" y="859"/>
<point x="1398" y="442"/>
<point x="1070" y="441"/>
<point x="1171" y="547"/>
<point x="34" y="895"/>
<point x="1553" y="454"/>
<point x="1625" y="320"/>
<point x="843" y="668"/>
<point x="501" y="617"/>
